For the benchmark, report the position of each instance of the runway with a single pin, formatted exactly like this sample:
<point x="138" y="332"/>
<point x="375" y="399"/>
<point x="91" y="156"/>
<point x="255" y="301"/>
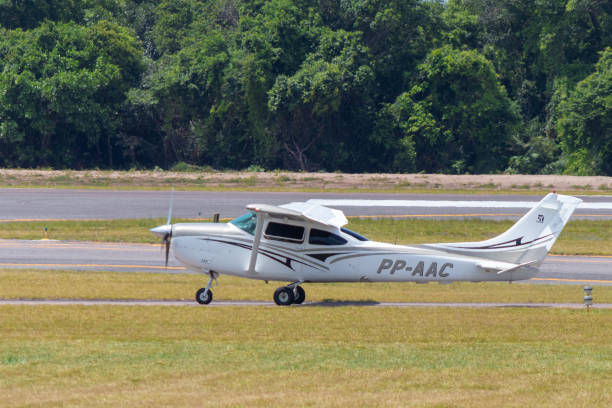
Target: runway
<point x="94" y="256"/>
<point x="242" y="303"/>
<point x="52" y="204"/>
<point x="47" y="204"/>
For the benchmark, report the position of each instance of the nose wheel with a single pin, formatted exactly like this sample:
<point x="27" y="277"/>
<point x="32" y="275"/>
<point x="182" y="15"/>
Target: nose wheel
<point x="204" y="295"/>
<point x="288" y="295"/>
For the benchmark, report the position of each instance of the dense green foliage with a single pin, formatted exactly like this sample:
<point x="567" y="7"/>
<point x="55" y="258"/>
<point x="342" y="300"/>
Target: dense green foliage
<point x="476" y="86"/>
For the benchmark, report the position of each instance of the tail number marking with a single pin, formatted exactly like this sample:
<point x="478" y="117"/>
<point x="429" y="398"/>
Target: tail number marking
<point x="419" y="270"/>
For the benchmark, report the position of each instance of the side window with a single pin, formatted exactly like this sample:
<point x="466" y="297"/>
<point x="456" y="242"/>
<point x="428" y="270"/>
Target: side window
<point x="320" y="237"/>
<point x="284" y="232"/>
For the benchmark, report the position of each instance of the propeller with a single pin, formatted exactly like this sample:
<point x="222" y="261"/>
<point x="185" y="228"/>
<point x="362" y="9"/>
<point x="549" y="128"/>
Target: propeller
<point x="168" y="235"/>
<point x="165" y="231"/>
<point x="166" y="241"/>
<point x="170" y="209"/>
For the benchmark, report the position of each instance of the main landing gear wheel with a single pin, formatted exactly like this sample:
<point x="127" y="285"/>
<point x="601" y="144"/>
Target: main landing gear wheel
<point x="204" y="296"/>
<point x="300" y="295"/>
<point x="283" y="296"/>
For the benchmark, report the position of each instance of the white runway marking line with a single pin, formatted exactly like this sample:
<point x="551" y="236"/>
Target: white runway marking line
<point x="69" y="265"/>
<point x="445" y="204"/>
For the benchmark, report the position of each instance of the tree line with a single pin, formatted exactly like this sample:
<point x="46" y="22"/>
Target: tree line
<point x="457" y="86"/>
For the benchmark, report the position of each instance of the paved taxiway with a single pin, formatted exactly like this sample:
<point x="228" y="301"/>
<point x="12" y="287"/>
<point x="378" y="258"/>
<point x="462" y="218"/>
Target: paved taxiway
<point x="29" y="204"/>
<point x="48" y="204"/>
<point x="149" y="258"/>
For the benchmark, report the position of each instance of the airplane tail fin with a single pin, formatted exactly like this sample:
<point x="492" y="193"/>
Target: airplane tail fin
<point x="527" y="241"/>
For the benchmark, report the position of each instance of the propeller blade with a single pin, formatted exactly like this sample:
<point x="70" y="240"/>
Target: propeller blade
<point x="167" y="252"/>
<point x="165" y="231"/>
<point x="170" y="209"/>
<point x="166" y="241"/>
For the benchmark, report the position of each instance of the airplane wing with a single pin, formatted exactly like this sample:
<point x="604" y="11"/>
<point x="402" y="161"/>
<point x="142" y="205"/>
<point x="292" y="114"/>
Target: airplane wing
<point x="303" y="212"/>
<point x="309" y="212"/>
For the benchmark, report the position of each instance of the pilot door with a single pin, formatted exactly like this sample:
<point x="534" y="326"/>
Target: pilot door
<point x="281" y="249"/>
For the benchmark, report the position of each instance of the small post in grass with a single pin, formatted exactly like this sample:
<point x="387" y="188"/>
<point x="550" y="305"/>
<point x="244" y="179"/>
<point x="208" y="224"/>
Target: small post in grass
<point x="216" y="218"/>
<point x="46" y="233"/>
<point x="588" y="299"/>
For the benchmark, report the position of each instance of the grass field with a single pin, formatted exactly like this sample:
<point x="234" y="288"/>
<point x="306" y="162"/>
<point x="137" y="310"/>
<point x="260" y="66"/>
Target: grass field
<point x="583" y="237"/>
<point x="320" y="357"/>
<point x="54" y="356"/>
<point x="53" y="284"/>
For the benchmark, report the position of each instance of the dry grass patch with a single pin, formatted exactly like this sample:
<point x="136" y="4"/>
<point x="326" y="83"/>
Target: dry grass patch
<point x="194" y="178"/>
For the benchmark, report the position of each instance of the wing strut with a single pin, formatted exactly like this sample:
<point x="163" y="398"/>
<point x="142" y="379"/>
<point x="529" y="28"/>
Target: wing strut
<point x="256" y="241"/>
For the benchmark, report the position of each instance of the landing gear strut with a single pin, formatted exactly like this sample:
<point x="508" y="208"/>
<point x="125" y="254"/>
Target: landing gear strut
<point x="287" y="295"/>
<point x="299" y="295"/>
<point x="204" y="295"/>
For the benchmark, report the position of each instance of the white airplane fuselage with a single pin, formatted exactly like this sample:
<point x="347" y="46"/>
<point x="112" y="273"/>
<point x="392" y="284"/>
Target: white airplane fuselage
<point x="227" y="250"/>
<point x="306" y="242"/>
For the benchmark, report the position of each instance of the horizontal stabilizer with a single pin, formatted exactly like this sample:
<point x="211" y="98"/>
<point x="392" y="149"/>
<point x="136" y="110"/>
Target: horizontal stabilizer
<point x="502" y="267"/>
<point x="517" y="267"/>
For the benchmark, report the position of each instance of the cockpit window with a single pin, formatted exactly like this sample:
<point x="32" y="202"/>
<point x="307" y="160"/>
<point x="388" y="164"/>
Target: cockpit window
<point x="354" y="234"/>
<point x="246" y="222"/>
<point x="284" y="232"/>
<point x="320" y="237"/>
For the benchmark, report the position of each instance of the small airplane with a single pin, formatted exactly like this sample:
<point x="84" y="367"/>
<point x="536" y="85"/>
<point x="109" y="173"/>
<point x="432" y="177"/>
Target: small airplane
<point x="303" y="242"/>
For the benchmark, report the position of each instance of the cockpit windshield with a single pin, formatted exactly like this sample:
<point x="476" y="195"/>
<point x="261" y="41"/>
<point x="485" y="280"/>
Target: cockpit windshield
<point x="354" y="234"/>
<point x="246" y="222"/>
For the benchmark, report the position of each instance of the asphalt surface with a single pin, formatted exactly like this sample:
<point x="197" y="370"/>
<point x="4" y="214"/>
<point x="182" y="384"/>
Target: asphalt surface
<point x="93" y="256"/>
<point x="50" y="204"/>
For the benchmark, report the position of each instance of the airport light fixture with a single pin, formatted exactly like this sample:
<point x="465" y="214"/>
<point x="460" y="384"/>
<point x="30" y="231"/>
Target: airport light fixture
<point x="588" y="298"/>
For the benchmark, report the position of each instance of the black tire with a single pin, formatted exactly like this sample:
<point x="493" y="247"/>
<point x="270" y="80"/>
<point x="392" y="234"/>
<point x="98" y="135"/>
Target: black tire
<point x="283" y="296"/>
<point x="203" y="298"/>
<point x="300" y="295"/>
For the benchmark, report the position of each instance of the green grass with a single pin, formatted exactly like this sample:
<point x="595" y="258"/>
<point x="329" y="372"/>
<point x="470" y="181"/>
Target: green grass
<point x="33" y="283"/>
<point x="584" y="237"/>
<point x="134" y="230"/>
<point x="323" y="357"/>
<point x="311" y="356"/>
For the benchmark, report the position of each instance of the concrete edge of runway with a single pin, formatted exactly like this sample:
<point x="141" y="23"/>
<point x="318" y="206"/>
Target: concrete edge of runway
<point x="250" y="303"/>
